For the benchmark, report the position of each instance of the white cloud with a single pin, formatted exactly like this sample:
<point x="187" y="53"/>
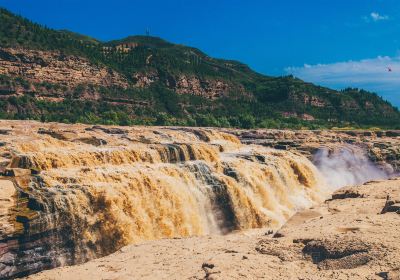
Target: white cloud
<point x="378" y="17"/>
<point x="370" y="74"/>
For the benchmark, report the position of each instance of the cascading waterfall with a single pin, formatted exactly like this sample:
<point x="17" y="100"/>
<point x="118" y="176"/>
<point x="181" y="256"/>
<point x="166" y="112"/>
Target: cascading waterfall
<point x="133" y="201"/>
<point x="90" y="200"/>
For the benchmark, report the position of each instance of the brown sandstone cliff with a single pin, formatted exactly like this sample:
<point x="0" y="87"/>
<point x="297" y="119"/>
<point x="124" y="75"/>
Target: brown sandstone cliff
<point x="56" y="67"/>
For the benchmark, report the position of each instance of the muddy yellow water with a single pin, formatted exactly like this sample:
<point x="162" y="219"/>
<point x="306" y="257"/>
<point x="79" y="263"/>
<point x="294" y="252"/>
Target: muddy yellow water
<point x="122" y="187"/>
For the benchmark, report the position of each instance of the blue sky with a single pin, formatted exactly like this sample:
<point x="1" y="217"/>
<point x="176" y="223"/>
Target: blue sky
<point x="334" y="43"/>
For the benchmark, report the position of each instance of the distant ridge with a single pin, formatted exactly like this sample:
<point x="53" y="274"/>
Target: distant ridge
<point x="63" y="76"/>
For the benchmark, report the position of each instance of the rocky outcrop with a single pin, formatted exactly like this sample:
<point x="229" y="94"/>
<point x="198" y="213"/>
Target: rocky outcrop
<point x="382" y="147"/>
<point x="32" y="235"/>
<point x="143" y="80"/>
<point x="56" y="68"/>
<point x="8" y="200"/>
<point x="307" y="99"/>
<point x="190" y="84"/>
<point x="208" y="88"/>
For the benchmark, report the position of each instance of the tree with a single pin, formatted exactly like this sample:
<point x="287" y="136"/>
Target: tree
<point x="247" y="121"/>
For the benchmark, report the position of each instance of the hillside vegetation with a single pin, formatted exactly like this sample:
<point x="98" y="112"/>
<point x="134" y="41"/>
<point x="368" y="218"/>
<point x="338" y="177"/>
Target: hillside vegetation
<point x="161" y="83"/>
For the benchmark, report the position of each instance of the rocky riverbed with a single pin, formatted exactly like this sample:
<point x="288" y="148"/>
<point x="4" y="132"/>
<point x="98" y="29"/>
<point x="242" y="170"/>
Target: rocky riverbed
<point x="382" y="147"/>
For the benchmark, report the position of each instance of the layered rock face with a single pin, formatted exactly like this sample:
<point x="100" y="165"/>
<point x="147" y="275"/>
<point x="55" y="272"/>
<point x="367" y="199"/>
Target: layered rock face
<point x="191" y="84"/>
<point x="82" y="192"/>
<point x="211" y="89"/>
<point x="55" y="67"/>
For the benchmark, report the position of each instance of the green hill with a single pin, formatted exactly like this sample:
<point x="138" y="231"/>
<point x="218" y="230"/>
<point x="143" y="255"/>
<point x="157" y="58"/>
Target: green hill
<point x="164" y="84"/>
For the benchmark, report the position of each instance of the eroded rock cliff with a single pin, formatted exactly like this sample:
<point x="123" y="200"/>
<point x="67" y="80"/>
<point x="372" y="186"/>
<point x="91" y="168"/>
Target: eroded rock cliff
<point x="56" y="67"/>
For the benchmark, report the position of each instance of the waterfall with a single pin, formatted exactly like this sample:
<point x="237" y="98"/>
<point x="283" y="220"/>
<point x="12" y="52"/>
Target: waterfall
<point x="90" y="200"/>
